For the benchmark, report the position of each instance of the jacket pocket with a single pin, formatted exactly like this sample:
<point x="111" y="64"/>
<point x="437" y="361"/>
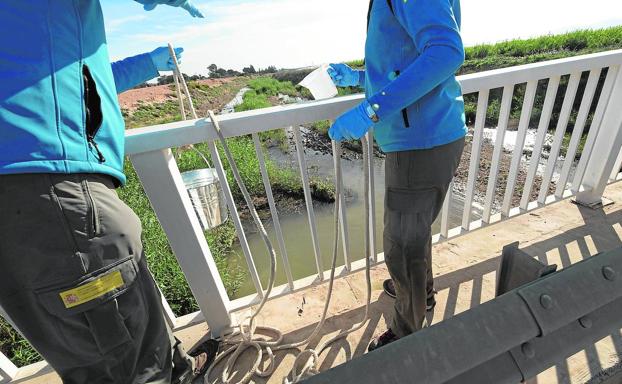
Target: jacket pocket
<point x="405" y="118"/>
<point x="405" y="110"/>
<point x="93" y="111"/>
<point x="91" y="304"/>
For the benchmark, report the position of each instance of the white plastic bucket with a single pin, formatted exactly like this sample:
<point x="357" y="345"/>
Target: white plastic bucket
<point x="208" y="199"/>
<point x="320" y="84"/>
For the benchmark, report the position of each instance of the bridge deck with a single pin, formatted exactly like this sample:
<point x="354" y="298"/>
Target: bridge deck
<point x="465" y="270"/>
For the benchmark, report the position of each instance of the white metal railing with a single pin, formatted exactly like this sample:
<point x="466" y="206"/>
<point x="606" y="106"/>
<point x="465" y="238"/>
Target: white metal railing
<point x="146" y="145"/>
<point x="150" y="151"/>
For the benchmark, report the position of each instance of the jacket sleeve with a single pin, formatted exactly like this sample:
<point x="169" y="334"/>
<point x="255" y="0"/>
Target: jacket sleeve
<point x="133" y="71"/>
<point x="362" y="78"/>
<point x="433" y="27"/>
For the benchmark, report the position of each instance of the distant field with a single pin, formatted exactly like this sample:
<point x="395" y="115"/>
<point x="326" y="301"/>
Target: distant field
<point x="516" y="52"/>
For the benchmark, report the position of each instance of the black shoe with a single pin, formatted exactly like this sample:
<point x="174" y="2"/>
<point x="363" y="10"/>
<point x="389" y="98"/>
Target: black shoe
<point x="204" y="355"/>
<point x="387" y="337"/>
<point x="389" y="289"/>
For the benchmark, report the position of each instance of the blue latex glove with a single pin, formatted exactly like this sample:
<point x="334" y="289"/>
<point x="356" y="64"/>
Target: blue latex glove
<point x="162" y="59"/>
<point x="343" y="75"/>
<point x="352" y="125"/>
<point x="150" y="5"/>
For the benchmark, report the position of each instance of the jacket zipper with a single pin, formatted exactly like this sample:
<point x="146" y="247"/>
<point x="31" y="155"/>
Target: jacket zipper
<point x="404" y="111"/>
<point x="93" y="118"/>
<point x="88" y="196"/>
<point x="100" y="156"/>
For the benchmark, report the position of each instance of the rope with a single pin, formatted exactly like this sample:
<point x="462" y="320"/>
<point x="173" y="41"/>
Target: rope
<point x="179" y="79"/>
<point x="310" y="366"/>
<point x="176" y="75"/>
<point x="244" y="337"/>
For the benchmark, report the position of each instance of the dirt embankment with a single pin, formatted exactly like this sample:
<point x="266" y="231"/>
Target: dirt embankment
<point x="132" y="99"/>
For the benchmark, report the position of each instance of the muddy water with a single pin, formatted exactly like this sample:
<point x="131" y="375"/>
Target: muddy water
<point x="295" y="226"/>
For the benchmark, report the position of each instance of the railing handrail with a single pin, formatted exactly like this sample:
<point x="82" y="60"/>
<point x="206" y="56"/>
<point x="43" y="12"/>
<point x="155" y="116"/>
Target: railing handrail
<point x="187" y="132"/>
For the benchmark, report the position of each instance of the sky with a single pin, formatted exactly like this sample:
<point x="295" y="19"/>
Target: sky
<point x="298" y="33"/>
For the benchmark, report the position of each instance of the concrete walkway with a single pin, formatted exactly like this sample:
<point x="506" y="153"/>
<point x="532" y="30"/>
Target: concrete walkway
<point x="465" y="270"/>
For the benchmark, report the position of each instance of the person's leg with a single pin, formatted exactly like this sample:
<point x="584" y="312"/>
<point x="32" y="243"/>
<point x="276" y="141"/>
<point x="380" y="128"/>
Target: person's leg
<point x="416" y="185"/>
<point x="74" y="280"/>
<point x="406" y="248"/>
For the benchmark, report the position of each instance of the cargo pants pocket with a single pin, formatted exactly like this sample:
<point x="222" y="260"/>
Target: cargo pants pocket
<point x="411" y="201"/>
<point x="91" y="305"/>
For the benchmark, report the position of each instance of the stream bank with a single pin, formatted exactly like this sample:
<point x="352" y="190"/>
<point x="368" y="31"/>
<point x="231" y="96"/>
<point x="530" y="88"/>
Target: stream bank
<point x="319" y="159"/>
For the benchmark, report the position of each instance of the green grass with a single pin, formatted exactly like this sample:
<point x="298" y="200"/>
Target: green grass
<point x="253" y="100"/>
<point x="276" y="137"/>
<point x="263" y="92"/>
<point x="321" y="127"/>
<point x="566" y="143"/>
<point x="356" y="64"/>
<point x="516" y="52"/>
<point x="17" y="349"/>
<point x="572" y="41"/>
<point x="271" y="87"/>
<point x="160" y="257"/>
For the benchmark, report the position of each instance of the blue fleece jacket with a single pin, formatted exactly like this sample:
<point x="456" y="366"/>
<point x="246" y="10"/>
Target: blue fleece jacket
<point x="411" y="56"/>
<point x="58" y="100"/>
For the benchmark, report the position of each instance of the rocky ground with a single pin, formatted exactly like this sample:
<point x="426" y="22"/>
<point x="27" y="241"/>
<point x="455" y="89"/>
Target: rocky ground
<point x="484" y="170"/>
<point x="352" y="150"/>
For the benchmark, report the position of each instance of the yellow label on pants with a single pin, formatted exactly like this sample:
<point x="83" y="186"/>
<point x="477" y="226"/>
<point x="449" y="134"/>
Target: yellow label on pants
<point x="92" y="290"/>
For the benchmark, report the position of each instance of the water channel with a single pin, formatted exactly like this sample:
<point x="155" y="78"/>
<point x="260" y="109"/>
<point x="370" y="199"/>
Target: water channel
<point x="295" y="225"/>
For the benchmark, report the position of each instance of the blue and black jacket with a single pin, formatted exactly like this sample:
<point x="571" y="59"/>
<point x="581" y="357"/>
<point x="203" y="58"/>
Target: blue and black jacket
<point x="58" y="95"/>
<point x="412" y="53"/>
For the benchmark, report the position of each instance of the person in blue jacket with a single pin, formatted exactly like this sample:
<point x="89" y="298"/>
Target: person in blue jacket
<point x="73" y="276"/>
<point x="414" y="105"/>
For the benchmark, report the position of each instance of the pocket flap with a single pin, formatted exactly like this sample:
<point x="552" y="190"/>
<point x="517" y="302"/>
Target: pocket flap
<point x="89" y="291"/>
<point x="411" y="200"/>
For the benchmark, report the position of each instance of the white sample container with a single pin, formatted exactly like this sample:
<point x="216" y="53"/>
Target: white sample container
<point x="320" y="84"/>
<point x="208" y="199"/>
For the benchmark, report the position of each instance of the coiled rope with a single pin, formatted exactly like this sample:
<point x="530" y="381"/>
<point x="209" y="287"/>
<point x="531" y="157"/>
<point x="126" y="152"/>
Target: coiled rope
<point x="244" y="335"/>
<point x="306" y="362"/>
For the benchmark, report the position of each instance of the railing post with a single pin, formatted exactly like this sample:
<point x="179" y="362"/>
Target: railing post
<point x="8" y="370"/>
<point x="165" y="188"/>
<point x="606" y="148"/>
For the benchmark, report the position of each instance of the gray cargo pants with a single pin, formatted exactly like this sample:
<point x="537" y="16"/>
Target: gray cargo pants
<point x="74" y="280"/>
<point x="416" y="183"/>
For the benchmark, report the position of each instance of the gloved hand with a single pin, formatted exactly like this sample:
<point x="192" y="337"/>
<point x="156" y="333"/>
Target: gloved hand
<point x="162" y="59"/>
<point x="352" y="125"/>
<point x="150" y="5"/>
<point x="343" y="75"/>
